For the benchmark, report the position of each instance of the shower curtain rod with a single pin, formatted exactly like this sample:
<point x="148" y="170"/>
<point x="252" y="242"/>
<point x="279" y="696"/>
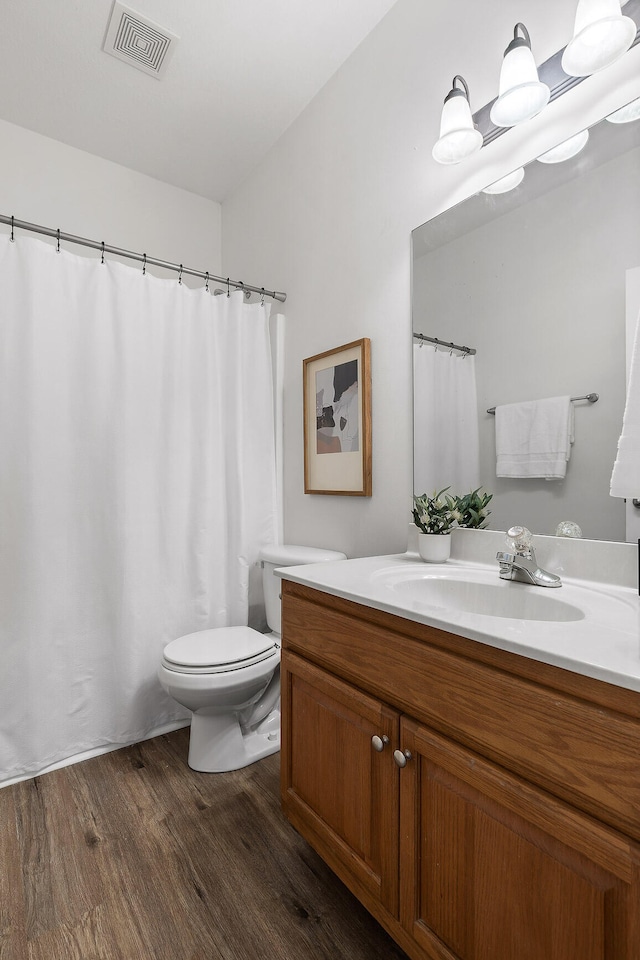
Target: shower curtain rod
<point x="140" y="257"/>
<point x="468" y="351"/>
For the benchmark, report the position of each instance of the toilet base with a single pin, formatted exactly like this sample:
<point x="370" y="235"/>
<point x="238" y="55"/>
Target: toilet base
<point x="218" y="744"/>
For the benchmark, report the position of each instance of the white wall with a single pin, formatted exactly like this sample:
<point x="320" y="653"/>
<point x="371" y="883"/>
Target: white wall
<point x="47" y="182"/>
<point x="328" y="214"/>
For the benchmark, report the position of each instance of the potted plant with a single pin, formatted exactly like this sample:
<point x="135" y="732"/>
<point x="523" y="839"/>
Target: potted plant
<point x="471" y="510"/>
<point x="434" y="518"/>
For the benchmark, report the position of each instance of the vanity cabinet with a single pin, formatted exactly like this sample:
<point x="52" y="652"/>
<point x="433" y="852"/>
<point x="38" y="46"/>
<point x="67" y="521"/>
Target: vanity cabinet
<point x="511" y="828"/>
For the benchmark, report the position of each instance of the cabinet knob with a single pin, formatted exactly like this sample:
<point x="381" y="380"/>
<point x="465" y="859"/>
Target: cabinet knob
<point x="401" y="757"/>
<point x="379" y="743"/>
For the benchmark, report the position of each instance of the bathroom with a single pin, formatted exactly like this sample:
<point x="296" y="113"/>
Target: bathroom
<point x="325" y="213"/>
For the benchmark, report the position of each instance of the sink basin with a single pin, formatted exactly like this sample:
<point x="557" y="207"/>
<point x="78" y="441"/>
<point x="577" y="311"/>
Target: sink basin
<point x="512" y="601"/>
<point x="587" y="626"/>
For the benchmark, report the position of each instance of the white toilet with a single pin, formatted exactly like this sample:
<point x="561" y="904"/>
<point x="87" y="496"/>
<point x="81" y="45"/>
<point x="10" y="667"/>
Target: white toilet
<point x="230" y="677"/>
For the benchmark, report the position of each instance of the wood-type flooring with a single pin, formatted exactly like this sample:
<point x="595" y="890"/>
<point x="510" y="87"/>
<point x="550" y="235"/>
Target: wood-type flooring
<point x="134" y="856"/>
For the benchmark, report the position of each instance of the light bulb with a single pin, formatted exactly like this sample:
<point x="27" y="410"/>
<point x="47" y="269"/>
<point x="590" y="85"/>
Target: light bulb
<point x="601" y="36"/>
<point x="626" y="114"/>
<point x="521" y="94"/>
<point x="565" y="150"/>
<point x="459" y="138"/>
<point x="506" y="183"/>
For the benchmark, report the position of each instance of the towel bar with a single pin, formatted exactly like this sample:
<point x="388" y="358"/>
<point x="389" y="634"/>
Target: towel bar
<point x="591" y="397"/>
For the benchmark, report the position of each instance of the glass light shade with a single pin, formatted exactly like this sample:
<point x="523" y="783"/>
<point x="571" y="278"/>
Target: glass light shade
<point x="521" y="94"/>
<point x="506" y="183"/>
<point x="627" y="113"/>
<point x="601" y="36"/>
<point x="458" y="136"/>
<point x="565" y="150"/>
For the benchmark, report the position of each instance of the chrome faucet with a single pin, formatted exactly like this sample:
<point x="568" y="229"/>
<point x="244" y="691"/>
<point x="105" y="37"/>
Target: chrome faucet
<point x="521" y="564"/>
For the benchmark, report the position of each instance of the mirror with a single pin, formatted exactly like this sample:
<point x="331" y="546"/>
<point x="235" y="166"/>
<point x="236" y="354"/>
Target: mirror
<point x="536" y="280"/>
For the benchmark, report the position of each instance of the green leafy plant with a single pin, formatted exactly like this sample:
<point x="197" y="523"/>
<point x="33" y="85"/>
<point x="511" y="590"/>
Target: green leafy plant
<point x="471" y="509"/>
<point x="434" y="514"/>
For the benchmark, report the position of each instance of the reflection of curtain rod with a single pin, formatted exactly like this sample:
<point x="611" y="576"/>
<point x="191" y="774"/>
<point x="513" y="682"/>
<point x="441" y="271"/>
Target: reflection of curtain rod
<point x="591" y="397"/>
<point x="140" y="257"/>
<point x="468" y="351"/>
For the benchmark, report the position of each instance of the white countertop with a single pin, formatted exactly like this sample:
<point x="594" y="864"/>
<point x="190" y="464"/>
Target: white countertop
<point x="603" y="644"/>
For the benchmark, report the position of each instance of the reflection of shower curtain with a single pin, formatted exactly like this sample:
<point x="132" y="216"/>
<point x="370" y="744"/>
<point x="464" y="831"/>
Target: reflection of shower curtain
<point x="137" y="483"/>
<point x="445" y="421"/>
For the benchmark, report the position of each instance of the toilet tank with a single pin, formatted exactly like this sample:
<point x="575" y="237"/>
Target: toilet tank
<point x="286" y="555"/>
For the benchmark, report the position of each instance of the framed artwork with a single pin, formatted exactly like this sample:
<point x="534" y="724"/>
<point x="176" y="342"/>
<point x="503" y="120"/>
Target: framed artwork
<point x="337" y="421"/>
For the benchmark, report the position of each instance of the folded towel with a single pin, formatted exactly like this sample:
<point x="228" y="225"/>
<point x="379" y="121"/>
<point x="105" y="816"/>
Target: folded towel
<point x="533" y="439"/>
<point x="625" y="479"/>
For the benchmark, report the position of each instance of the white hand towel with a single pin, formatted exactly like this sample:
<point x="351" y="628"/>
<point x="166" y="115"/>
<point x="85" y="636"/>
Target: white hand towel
<point x="533" y="439"/>
<point x="625" y="479"/>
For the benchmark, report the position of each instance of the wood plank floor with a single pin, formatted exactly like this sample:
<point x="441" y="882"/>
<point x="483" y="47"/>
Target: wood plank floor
<point x="133" y="856"/>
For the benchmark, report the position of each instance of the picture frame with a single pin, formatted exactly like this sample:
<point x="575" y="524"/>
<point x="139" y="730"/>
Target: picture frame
<point x="337" y="421"/>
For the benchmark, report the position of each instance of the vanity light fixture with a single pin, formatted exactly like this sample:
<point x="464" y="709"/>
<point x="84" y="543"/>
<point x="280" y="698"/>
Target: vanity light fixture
<point x="521" y="93"/>
<point x="626" y="114"/>
<point x="459" y="138"/>
<point x="504" y="184"/>
<point x="565" y="150"/>
<point x="601" y="36"/>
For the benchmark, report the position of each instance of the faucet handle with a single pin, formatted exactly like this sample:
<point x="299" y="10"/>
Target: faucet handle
<point x="520" y="540"/>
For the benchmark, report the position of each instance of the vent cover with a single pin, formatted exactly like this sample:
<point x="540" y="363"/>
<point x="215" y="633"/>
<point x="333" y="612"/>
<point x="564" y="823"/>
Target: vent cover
<point x="138" y="41"/>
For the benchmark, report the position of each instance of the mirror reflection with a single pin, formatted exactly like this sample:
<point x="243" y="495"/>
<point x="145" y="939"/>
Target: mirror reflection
<point x="541" y="284"/>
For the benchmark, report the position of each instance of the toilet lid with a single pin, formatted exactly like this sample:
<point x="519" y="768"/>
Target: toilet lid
<point x="219" y="650"/>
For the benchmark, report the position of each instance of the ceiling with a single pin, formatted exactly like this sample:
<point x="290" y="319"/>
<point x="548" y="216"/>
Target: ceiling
<point x="241" y="72"/>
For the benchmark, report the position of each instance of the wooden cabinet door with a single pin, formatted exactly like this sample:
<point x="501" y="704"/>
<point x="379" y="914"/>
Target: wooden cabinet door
<point x="339" y="792"/>
<point x="492" y="868"/>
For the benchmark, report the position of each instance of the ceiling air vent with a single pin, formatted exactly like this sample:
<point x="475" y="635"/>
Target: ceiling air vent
<point x="138" y="41"/>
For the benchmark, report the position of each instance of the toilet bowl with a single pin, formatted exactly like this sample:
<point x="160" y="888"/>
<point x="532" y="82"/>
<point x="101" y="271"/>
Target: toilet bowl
<point x="229" y="677"/>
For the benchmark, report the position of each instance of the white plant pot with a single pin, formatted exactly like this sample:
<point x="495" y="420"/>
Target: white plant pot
<point x="434" y="547"/>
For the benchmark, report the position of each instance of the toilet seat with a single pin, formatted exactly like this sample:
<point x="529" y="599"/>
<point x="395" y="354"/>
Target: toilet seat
<point x="219" y="650"/>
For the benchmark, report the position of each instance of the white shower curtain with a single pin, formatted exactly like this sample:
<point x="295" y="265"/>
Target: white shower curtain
<point x="137" y="484"/>
<point x="445" y="421"/>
